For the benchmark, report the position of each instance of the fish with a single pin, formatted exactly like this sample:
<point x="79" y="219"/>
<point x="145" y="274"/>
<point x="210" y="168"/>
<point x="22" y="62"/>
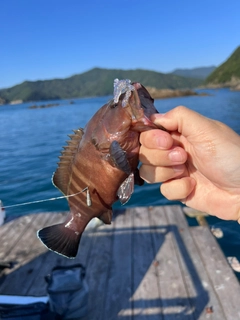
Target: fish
<point x="99" y="165"/>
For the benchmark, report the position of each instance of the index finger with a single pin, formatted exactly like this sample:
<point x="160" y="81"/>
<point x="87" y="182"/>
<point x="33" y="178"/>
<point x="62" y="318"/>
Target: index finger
<point x="182" y="120"/>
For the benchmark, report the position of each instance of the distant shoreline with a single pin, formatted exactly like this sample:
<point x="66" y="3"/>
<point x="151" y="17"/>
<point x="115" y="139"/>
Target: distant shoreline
<point x="221" y="86"/>
<point x="233" y="84"/>
<point x="154" y="92"/>
<point x="170" y="93"/>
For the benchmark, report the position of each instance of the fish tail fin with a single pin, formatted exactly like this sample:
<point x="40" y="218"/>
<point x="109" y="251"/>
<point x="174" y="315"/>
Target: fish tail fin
<point x="60" y="239"/>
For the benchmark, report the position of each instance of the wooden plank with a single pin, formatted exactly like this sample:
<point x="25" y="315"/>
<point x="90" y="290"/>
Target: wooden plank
<point x="28" y="246"/>
<point x="173" y="292"/>
<point x="28" y="253"/>
<point x="197" y="281"/>
<point x="9" y="233"/>
<point x="5" y="228"/>
<point x="34" y="264"/>
<point x="43" y="264"/>
<point x="32" y="272"/>
<point x="98" y="270"/>
<point x="118" y="291"/>
<point x="222" y="277"/>
<point x="13" y="231"/>
<point x="25" y="251"/>
<point x="146" y="301"/>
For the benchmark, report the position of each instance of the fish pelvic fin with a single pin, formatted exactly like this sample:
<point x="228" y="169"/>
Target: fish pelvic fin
<point x="60" y="239"/>
<point x="106" y="217"/>
<point x="62" y="175"/>
<point x="126" y="189"/>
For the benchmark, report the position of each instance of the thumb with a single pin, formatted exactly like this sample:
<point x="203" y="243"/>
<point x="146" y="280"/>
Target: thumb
<point x="181" y="119"/>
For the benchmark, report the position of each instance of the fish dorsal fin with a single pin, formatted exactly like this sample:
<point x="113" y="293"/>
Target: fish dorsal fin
<point x="63" y="173"/>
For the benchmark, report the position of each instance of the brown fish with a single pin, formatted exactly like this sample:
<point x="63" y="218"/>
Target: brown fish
<point x="99" y="165"/>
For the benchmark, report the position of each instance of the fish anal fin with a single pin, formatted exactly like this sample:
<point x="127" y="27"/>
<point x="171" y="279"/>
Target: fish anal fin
<point x="62" y="175"/>
<point x="106" y="217"/>
<point x="126" y="189"/>
<point x="60" y="239"/>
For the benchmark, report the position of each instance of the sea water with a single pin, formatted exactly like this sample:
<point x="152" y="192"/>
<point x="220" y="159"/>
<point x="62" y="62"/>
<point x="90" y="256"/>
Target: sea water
<point x="31" y="141"/>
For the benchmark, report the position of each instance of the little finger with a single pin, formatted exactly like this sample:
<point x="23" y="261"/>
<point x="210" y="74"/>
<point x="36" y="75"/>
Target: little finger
<point x="178" y="189"/>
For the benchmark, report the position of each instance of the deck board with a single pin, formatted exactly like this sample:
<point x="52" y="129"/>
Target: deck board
<point x="98" y="263"/>
<point x="145" y="283"/>
<point x="11" y="233"/>
<point x="193" y="269"/>
<point x="119" y="269"/>
<point x="174" y="295"/>
<point x="217" y="269"/>
<point x="148" y="264"/>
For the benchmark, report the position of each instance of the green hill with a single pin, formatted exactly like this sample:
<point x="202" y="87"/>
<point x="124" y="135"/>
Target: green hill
<point x="96" y="82"/>
<point x="196" y="73"/>
<point x="227" y="72"/>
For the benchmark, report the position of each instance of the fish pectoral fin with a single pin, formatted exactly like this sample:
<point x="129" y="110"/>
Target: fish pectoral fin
<point x="126" y="189"/>
<point x="60" y="239"/>
<point x="106" y="217"/>
<point x="119" y="157"/>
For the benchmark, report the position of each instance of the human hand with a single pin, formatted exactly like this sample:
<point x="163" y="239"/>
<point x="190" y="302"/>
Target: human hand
<point x="198" y="161"/>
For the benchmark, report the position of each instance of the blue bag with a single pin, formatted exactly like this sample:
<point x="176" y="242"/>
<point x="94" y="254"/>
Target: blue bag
<point x="68" y="291"/>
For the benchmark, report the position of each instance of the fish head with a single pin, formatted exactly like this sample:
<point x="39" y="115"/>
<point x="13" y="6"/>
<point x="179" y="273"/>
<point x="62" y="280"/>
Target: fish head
<point x="130" y="111"/>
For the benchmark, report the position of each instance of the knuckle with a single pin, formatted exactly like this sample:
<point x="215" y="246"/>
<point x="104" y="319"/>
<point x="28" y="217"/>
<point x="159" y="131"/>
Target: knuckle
<point x="180" y="109"/>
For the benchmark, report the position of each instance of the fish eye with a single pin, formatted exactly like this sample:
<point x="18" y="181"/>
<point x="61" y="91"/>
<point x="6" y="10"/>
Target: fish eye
<point x="113" y="105"/>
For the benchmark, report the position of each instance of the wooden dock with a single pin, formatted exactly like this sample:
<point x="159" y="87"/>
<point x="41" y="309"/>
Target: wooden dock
<point x="148" y="264"/>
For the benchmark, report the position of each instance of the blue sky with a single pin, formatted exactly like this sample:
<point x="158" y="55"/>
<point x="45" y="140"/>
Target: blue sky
<point x="58" y="38"/>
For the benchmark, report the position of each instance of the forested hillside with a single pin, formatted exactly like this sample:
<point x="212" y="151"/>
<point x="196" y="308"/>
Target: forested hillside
<point x="96" y="82"/>
<point x="228" y="71"/>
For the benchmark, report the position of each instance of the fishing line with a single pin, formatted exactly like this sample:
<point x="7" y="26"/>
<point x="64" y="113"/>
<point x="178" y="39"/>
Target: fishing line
<point x="45" y="200"/>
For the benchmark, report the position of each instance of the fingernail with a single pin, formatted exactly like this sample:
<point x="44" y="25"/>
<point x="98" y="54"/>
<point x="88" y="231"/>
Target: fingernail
<point x="175" y="156"/>
<point x="156" y="116"/>
<point x="162" y="141"/>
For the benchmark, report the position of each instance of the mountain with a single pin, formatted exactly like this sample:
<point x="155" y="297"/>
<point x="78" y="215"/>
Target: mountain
<point x="196" y="73"/>
<point x="228" y="73"/>
<point x="95" y="82"/>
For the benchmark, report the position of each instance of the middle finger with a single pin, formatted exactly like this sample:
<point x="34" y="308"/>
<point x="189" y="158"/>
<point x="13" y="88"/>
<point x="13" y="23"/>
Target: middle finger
<point x="157" y="157"/>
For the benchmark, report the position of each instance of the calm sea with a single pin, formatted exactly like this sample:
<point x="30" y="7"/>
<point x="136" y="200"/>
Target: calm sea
<point x="31" y="140"/>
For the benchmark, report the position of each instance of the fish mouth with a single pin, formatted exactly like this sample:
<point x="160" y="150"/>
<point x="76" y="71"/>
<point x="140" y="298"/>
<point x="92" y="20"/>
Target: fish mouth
<point x="141" y="107"/>
<point x="140" y="102"/>
<point x="136" y="100"/>
<point x="137" y="85"/>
